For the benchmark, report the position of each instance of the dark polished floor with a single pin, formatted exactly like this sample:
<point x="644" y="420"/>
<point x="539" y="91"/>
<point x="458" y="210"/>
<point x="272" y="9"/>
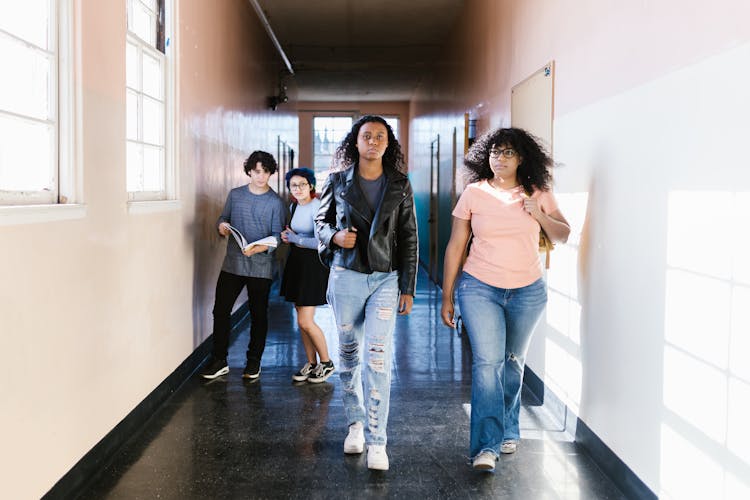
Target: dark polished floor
<point x="230" y="438"/>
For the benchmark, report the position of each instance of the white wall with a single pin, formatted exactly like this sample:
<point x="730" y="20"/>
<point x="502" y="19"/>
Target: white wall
<point x="647" y="331"/>
<point x="661" y="316"/>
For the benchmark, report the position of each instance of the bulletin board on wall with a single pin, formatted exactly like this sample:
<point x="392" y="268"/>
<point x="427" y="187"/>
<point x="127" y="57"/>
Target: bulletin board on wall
<point x="532" y="104"/>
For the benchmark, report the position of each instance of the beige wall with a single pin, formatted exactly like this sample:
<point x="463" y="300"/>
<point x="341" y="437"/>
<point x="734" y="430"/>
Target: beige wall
<point x="100" y="309"/>
<point x="308" y="110"/>
<point x="647" y="322"/>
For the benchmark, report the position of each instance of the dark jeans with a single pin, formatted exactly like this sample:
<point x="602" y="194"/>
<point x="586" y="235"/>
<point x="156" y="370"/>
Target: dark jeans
<point x="228" y="288"/>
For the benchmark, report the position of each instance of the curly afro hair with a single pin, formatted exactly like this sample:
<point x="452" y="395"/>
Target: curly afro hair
<point x="534" y="169"/>
<point x="347" y="153"/>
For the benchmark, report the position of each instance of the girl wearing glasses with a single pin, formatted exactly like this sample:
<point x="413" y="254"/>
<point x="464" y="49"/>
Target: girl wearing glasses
<point x="501" y="293"/>
<point x="305" y="279"/>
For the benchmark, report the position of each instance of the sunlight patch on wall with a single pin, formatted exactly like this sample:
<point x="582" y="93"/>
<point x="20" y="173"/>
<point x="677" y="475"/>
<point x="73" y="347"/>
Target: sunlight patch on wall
<point x="564" y="315"/>
<point x="735" y="488"/>
<point x="562" y="330"/>
<point x="697" y="312"/>
<point x="739" y="352"/>
<point x="739" y="344"/>
<point x="740" y="238"/>
<point x="705" y="437"/>
<point x="701" y="232"/>
<point x="738" y="431"/>
<point x="686" y="470"/>
<point x="564" y="374"/>
<point x="697" y="392"/>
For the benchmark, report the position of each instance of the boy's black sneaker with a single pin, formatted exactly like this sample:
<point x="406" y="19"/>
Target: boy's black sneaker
<point x="322" y="372"/>
<point x="252" y="370"/>
<point x="215" y="368"/>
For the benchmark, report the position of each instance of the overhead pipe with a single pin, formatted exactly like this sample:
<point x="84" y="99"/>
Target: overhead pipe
<point x="271" y="34"/>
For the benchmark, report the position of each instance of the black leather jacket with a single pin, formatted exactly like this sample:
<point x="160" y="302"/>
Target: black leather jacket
<point x="386" y="243"/>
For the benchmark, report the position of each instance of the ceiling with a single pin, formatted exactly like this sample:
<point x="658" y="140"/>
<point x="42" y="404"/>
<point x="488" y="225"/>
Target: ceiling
<point x="360" y="50"/>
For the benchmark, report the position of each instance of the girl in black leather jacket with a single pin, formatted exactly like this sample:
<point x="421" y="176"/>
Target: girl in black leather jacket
<point x="367" y="224"/>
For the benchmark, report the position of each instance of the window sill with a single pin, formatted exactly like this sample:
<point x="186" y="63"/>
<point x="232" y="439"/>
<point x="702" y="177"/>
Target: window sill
<point x="150" y="207"/>
<point x="30" y="214"/>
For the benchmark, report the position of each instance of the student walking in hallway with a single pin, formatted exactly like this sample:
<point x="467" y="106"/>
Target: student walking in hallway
<point x="501" y="291"/>
<point x="367" y="221"/>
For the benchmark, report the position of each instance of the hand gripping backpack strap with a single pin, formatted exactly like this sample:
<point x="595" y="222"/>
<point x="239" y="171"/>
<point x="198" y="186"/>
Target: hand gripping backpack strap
<point x="546" y="246"/>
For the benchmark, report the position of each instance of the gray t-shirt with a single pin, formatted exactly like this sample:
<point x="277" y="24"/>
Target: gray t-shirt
<point x="373" y="190"/>
<point x="255" y="216"/>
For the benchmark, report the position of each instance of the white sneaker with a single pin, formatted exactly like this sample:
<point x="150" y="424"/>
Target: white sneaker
<point x="377" y="459"/>
<point x="485" y="461"/>
<point x="355" y="440"/>
<point x="508" y="447"/>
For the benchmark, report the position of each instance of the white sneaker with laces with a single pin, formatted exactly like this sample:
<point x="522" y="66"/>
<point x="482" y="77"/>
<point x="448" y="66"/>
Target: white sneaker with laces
<point x="377" y="459"/>
<point x="508" y="447"/>
<point x="355" y="440"/>
<point x="485" y="461"/>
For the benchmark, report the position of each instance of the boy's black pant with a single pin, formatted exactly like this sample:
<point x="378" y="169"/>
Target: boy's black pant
<point x="228" y="288"/>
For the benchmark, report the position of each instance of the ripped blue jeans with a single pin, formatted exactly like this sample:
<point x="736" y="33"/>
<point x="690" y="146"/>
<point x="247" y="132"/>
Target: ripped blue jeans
<point x="365" y="307"/>
<point x="499" y="322"/>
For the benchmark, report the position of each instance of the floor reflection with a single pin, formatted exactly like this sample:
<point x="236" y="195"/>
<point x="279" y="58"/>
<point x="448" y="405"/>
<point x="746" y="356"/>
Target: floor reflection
<point x="271" y="438"/>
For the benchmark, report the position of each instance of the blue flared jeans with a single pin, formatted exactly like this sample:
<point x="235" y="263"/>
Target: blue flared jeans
<point x="365" y="307"/>
<point x="499" y="322"/>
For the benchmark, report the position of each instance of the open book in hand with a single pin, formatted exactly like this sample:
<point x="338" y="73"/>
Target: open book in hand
<point x="269" y="241"/>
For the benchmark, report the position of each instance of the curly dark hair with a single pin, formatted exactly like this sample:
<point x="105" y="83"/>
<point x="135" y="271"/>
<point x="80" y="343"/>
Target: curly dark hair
<point x="534" y="169"/>
<point x="265" y="159"/>
<point x="347" y="153"/>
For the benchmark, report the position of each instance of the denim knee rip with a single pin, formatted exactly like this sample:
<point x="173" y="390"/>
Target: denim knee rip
<point x="348" y="353"/>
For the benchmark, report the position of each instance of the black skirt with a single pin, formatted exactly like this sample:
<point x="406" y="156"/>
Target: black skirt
<point x="305" y="279"/>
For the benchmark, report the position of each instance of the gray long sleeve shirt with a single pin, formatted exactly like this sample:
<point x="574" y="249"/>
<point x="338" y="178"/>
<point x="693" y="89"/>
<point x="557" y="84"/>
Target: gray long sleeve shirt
<point x="303" y="225"/>
<point x="255" y="216"/>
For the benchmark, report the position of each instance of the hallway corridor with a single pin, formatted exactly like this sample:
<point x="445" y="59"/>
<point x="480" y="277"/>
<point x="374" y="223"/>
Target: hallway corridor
<point x="270" y="438"/>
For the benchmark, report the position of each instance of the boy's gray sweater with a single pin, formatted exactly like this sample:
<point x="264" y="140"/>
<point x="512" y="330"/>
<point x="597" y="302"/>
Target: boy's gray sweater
<point x="255" y="216"/>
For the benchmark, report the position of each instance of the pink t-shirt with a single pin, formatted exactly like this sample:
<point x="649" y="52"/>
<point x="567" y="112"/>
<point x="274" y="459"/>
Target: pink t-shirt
<point x="505" y="250"/>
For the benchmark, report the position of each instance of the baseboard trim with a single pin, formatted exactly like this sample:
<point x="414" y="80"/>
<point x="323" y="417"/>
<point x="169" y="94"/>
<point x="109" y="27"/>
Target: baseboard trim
<point x="611" y="465"/>
<point x="622" y="475"/>
<point x="83" y="473"/>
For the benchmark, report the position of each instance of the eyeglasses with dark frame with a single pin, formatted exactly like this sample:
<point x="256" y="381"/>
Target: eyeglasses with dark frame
<point x="507" y="153"/>
<point x="301" y="185"/>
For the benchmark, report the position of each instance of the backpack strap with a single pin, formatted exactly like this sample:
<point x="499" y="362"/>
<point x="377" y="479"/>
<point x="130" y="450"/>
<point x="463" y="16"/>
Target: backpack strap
<point x="292" y="208"/>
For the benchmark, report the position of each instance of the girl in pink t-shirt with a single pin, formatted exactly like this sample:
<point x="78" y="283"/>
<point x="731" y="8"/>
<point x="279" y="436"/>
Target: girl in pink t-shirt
<point x="501" y="293"/>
